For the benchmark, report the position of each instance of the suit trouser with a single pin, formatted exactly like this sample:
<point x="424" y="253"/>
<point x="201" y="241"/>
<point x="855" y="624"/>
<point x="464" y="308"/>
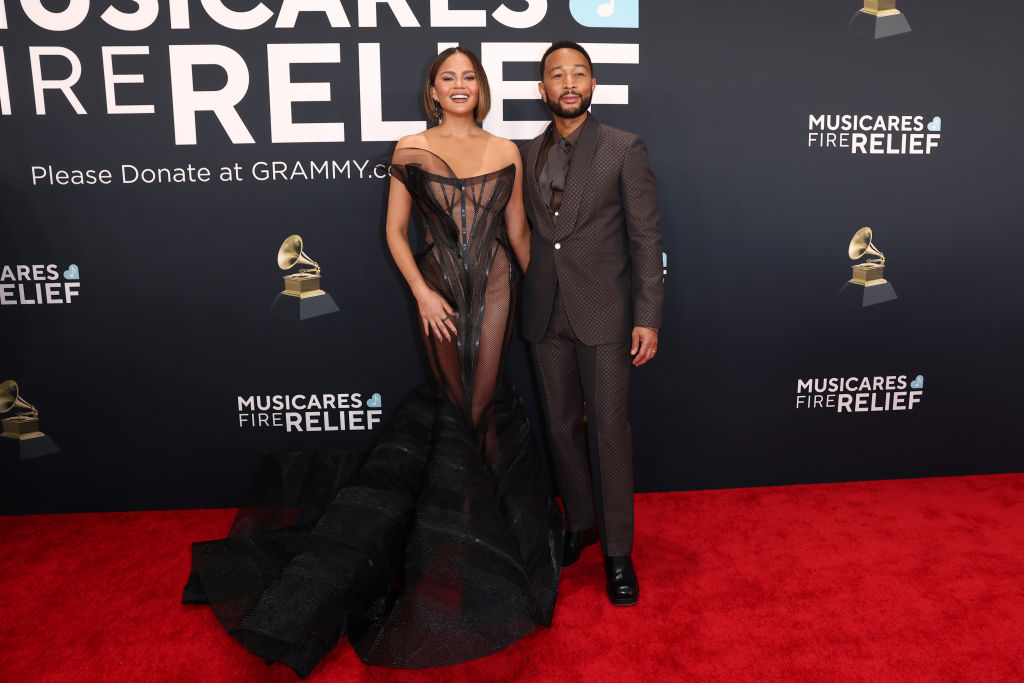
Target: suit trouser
<point x="598" y="480"/>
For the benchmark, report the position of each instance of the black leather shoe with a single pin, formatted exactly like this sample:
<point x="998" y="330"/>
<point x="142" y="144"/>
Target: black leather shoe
<point x="575" y="542"/>
<point x="623" y="587"/>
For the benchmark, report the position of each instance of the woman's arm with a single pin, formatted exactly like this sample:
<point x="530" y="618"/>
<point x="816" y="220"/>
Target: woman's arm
<point x="435" y="313"/>
<point x="515" y="214"/>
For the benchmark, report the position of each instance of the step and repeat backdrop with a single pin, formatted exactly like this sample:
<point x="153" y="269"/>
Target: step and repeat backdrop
<point x="193" y="268"/>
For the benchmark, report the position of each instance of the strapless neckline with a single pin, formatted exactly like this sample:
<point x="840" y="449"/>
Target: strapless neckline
<point x="457" y="179"/>
<point x="455" y="176"/>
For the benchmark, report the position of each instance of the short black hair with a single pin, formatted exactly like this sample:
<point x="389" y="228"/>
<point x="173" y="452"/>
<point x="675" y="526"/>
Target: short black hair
<point x="560" y="45"/>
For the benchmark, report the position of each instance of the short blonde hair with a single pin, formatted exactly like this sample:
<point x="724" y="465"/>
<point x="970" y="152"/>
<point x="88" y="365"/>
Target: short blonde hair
<point x="483" y="101"/>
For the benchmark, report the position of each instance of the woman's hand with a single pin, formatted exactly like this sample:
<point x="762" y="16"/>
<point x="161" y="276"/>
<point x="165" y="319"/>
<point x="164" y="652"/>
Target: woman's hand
<point x="437" y="316"/>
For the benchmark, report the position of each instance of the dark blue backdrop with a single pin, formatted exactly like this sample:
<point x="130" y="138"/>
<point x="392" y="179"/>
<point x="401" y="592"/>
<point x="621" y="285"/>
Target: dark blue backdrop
<point x="138" y="378"/>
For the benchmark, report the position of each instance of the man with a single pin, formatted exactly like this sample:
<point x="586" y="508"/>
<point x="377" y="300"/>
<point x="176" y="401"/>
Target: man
<point x="592" y="298"/>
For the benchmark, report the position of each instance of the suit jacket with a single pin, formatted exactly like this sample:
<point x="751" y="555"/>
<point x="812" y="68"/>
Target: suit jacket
<point x="604" y="253"/>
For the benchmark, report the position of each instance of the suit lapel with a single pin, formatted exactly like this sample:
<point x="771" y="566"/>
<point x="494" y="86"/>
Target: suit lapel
<point x="540" y="213"/>
<point x="576" y="179"/>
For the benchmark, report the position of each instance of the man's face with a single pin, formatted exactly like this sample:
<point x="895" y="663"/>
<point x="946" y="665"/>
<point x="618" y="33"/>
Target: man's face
<point x="568" y="85"/>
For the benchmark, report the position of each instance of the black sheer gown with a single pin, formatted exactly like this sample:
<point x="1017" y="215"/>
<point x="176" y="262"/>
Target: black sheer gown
<point x="443" y="543"/>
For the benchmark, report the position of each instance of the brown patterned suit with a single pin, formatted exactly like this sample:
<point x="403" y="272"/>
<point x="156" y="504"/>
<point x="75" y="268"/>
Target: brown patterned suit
<point x="595" y="272"/>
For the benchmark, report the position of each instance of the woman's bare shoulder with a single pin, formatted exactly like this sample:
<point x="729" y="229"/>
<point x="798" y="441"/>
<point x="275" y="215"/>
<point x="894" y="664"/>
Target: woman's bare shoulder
<point x="418" y="140"/>
<point x="506" y="151"/>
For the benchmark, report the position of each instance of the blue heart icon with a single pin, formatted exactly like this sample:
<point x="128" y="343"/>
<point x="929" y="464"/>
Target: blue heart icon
<point x="936" y="125"/>
<point x="606" y="13"/>
<point x="373" y="401"/>
<point x="918" y="382"/>
<point x="71" y="273"/>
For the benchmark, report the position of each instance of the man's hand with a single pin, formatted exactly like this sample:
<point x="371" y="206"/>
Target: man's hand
<point x="645" y="345"/>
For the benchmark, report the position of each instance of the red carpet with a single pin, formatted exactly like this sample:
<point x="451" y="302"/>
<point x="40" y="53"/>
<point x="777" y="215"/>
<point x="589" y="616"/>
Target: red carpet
<point x="894" y="580"/>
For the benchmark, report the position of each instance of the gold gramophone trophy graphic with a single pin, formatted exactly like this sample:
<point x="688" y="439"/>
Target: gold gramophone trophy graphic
<point x="302" y="297"/>
<point x="879" y="19"/>
<point x="867" y="287"/>
<point x="23" y="425"/>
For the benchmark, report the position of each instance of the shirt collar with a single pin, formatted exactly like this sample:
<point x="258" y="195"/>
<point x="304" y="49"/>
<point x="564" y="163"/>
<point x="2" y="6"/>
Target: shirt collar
<point x="573" y="137"/>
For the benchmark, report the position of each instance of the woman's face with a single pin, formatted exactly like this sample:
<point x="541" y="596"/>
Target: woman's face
<point x="456" y="86"/>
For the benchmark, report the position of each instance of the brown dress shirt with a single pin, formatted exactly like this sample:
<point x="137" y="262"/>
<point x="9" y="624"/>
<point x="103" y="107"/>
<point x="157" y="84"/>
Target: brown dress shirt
<point x="553" y="164"/>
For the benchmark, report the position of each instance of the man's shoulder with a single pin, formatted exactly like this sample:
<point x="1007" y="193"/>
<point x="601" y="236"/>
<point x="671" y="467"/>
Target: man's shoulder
<point x="529" y="144"/>
<point x="616" y="136"/>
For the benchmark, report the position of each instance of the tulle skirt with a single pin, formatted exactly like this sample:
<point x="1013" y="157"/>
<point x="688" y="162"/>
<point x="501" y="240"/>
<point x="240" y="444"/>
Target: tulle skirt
<point x="424" y="552"/>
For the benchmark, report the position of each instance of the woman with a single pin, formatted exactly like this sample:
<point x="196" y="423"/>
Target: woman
<point x="441" y="545"/>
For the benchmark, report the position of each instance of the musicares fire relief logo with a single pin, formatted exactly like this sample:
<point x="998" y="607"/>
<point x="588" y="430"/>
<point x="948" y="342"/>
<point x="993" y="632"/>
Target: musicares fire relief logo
<point x="23" y="285"/>
<point x="860" y="394"/>
<point x="310" y="412"/>
<point x="875" y="133"/>
<point x="62" y="79"/>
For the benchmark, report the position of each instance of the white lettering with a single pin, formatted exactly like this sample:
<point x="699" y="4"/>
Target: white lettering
<point x="612" y="53"/>
<point x="283" y="92"/>
<point x="40" y="85"/>
<point x="876" y="143"/>
<point x="179" y="14"/>
<point x="371" y="118"/>
<point x="5" y="91"/>
<point x="65" y="20"/>
<point x="187" y="101"/>
<point x="332" y="9"/>
<point x="110" y="79"/>
<point x="53" y="293"/>
<point x="440" y="15"/>
<point x="493" y="57"/>
<point x="240" y="21"/>
<point x="531" y="16"/>
<point x="143" y="17"/>
<point x="400" y="8"/>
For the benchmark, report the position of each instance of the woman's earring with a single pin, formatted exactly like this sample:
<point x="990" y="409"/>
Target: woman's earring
<point x="438" y="112"/>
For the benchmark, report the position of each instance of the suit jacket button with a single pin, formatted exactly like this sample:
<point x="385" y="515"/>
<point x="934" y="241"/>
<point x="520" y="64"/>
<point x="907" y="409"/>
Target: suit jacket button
<point x="558" y="245"/>
<point x="556" y="213"/>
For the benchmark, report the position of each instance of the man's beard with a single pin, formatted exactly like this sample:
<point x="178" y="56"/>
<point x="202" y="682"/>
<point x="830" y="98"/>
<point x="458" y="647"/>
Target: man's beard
<point x="583" y="105"/>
